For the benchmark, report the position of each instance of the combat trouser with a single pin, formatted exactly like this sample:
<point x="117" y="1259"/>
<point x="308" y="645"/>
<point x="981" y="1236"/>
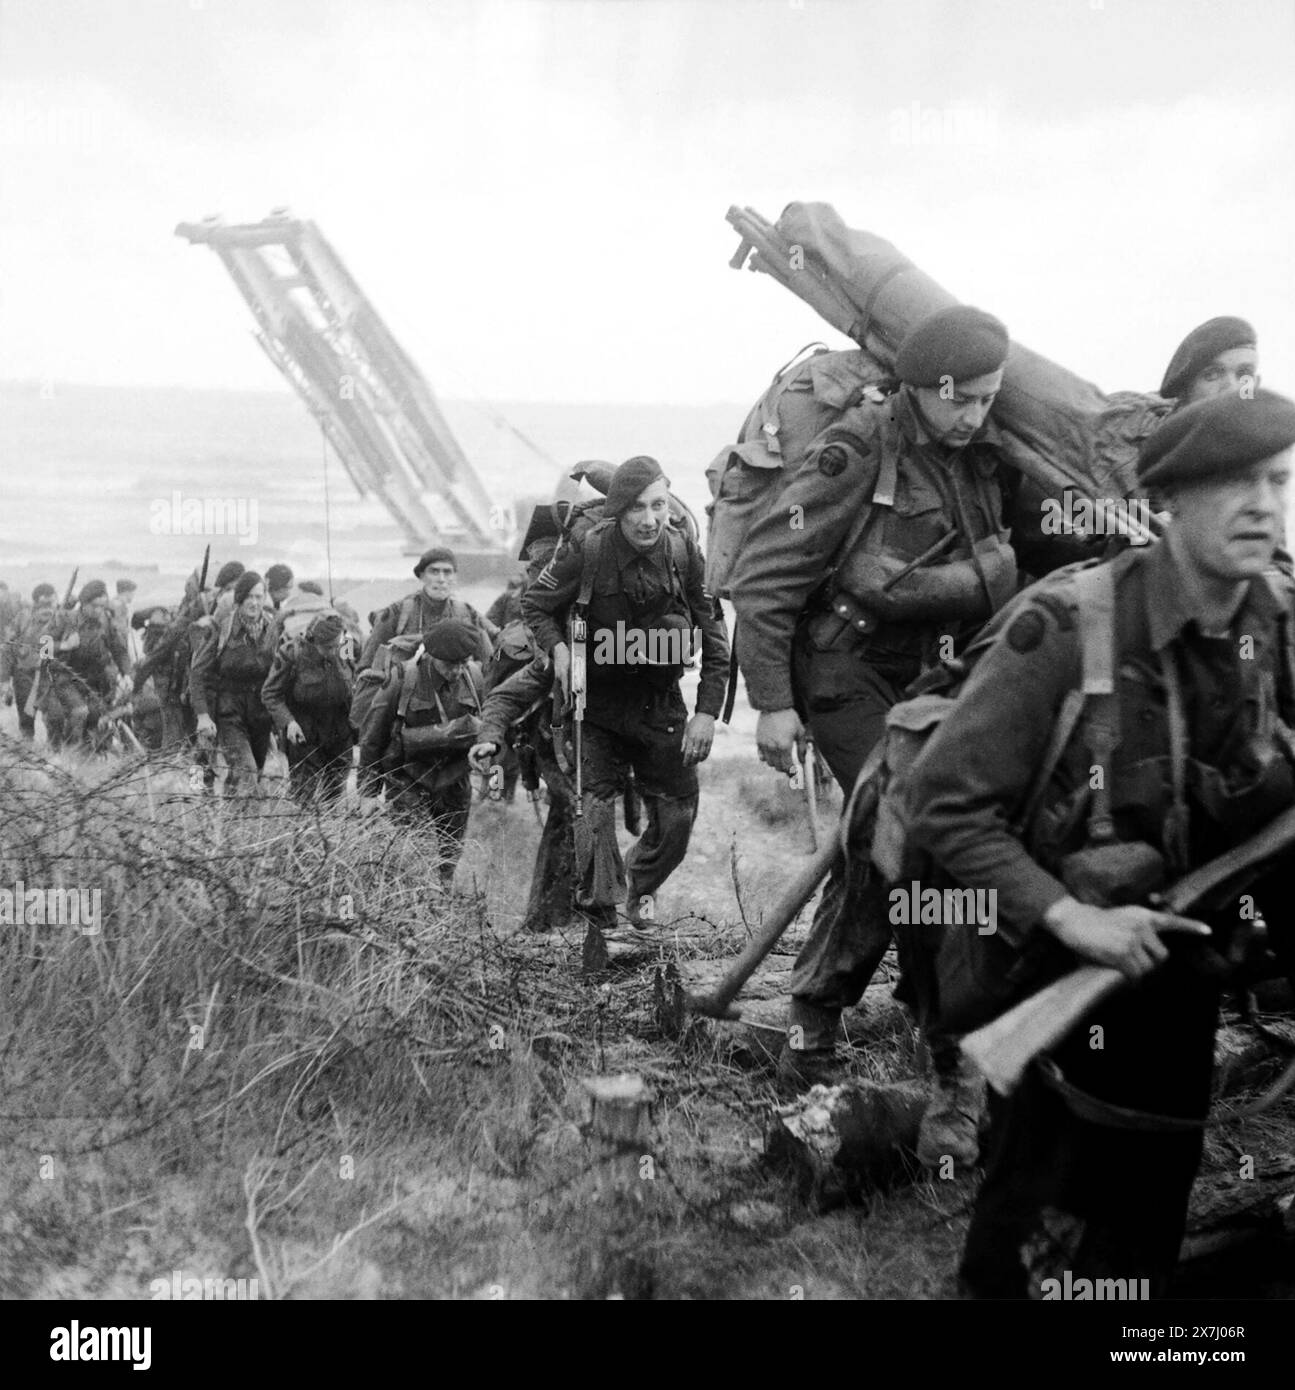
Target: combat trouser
<point x="550" y="903"/>
<point x="243" y="729"/>
<point x="846" y="703"/>
<point x="443" y="808"/>
<point x="22" y="684"/>
<point x="319" y="765"/>
<point x="75" y="706"/>
<point x="644" y="733"/>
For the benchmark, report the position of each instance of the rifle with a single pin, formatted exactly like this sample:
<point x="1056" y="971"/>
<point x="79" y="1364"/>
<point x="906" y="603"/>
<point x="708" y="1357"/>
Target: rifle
<point x="579" y="674"/>
<point x="809" y="769"/>
<point x="1004" y="1048"/>
<point x="29" y="705"/>
<point x="202" y="573"/>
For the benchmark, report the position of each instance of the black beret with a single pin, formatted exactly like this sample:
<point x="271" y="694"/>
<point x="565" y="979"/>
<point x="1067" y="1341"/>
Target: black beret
<point x="628" y="481"/>
<point x="278" y="577"/>
<point x="247" y="581"/>
<point x="96" y="588"/>
<point x="1215" y="437"/>
<point x="309" y="586"/>
<point x="1200" y="347"/>
<point x="228" y="572"/>
<point x="452" y="640"/>
<point x="959" y="342"/>
<point x="437" y="555"/>
<point x="126" y="586"/>
<point x="43" y="591"/>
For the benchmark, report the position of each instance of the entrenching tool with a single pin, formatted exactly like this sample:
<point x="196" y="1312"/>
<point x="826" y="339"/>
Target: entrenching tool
<point x="1004" y="1048"/>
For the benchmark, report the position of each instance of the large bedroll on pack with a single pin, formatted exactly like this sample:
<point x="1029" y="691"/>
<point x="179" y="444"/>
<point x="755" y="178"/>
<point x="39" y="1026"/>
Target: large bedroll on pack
<point x="1060" y="430"/>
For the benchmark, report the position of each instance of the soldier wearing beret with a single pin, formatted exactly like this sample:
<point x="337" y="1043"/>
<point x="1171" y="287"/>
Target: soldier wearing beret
<point x="1217" y="356"/>
<point x="278" y="585"/>
<point x="887" y="550"/>
<point x="232" y="657"/>
<point x="436" y="571"/>
<point x="640" y="576"/>
<point x="1093" y="1157"/>
<point x="308" y="696"/>
<point x="89" y="664"/>
<point x="22" y="654"/>
<point x="417" y="735"/>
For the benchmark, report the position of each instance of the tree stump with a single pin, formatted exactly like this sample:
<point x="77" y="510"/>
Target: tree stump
<point x="842" y="1142"/>
<point x="613" y="1263"/>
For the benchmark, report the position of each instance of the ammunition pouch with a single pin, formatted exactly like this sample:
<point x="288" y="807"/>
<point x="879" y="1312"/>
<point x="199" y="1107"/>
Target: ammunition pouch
<point x="428" y="743"/>
<point x="1114" y="875"/>
<point x="936" y="592"/>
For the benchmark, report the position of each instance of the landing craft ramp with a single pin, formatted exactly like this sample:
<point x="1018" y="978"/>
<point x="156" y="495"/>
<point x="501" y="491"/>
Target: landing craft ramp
<point x="372" y="403"/>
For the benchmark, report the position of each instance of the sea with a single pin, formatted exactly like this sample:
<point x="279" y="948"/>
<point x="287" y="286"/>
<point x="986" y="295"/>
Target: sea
<point x="112" y="480"/>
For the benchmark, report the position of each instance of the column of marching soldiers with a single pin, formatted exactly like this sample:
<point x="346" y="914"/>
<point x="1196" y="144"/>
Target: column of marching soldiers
<point x="897" y="552"/>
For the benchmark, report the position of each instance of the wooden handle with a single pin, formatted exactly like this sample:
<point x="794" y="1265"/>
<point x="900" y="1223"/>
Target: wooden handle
<point x="797" y="894"/>
<point x="1004" y="1048"/>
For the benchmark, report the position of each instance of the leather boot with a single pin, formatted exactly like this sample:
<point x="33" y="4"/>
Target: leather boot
<point x="951" y="1125"/>
<point x="808" y="1057"/>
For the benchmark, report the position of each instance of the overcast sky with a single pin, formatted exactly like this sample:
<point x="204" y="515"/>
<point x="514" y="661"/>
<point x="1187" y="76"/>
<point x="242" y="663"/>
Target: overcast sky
<point x="533" y="193"/>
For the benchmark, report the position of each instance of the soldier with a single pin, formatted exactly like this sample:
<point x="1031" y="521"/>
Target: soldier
<point x="639" y="583"/>
<point x="166" y="662"/>
<point x="507" y="608"/>
<point x="1217" y="356"/>
<point x="89" y="665"/>
<point x="522" y="706"/>
<point x="225" y="681"/>
<point x="436" y="570"/>
<point x="1093" y="1157"/>
<point x="308" y="696"/>
<point x="228" y="575"/>
<point x="120" y="610"/>
<point x="148" y="712"/>
<point x="417" y="734"/>
<point x="832" y="627"/>
<point x="278" y="585"/>
<point x="22" y="653"/>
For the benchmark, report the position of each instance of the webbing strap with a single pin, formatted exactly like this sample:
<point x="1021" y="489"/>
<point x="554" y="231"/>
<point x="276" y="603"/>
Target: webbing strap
<point x="1177" y="822"/>
<point x="1096" y="589"/>
<point x="407" y="679"/>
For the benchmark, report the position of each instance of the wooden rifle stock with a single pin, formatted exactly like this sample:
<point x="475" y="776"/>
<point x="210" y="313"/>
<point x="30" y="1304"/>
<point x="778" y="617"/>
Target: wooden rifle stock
<point x="1004" y="1048"/>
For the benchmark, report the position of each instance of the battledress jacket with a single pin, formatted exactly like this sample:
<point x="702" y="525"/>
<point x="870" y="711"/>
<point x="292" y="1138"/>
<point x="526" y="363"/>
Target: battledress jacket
<point x="974" y="776"/>
<point x="635" y="588"/>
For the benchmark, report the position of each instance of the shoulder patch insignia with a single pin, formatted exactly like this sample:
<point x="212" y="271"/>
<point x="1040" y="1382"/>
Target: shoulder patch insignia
<point x="1026" y="632"/>
<point x="832" y="461"/>
<point x="1058" y="607"/>
<point x="546" y="579"/>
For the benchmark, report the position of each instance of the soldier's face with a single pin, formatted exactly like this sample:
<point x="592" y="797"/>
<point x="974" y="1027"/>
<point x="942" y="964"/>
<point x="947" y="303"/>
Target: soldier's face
<point x="450" y="670"/>
<point x="254" y="602"/>
<point x="1227" y="372"/>
<point x="955" y="410"/>
<point x="1229" y="527"/>
<point x="99" y="606"/>
<point x="438" y="581"/>
<point x="642" y="523"/>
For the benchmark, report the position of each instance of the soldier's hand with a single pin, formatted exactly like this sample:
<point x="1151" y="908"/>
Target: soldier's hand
<point x="697" y="739"/>
<point x="1124" y="938"/>
<point x="480" y="755"/>
<point x="562" y="669"/>
<point x="777" y="733"/>
<point x="294" y="732"/>
<point x="206" y="725"/>
<point x="71" y="642"/>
